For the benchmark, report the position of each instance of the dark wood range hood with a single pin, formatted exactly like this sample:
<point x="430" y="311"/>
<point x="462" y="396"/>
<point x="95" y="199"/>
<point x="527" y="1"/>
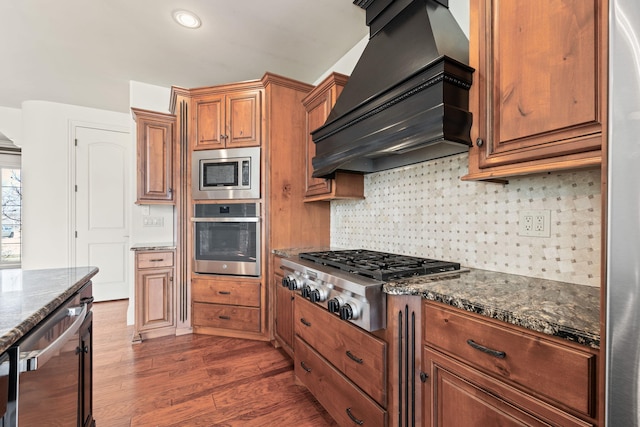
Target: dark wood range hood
<point x="407" y="98"/>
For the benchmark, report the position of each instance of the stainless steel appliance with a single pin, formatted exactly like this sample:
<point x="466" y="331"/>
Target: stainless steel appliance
<point x="226" y="239"/>
<point x="48" y="377"/>
<point x="232" y="173"/>
<point x="623" y="246"/>
<point x="349" y="282"/>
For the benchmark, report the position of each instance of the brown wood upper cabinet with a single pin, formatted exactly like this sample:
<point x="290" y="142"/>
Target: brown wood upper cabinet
<point x="228" y="120"/>
<point x="155" y="136"/>
<point x="318" y="104"/>
<point x="539" y="92"/>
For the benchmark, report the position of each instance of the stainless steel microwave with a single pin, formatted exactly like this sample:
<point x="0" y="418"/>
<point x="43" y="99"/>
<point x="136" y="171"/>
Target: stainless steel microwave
<point x="232" y="173"/>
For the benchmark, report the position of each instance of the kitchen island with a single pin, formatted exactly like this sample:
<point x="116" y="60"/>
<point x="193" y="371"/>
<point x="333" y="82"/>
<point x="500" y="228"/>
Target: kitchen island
<point x="28" y="296"/>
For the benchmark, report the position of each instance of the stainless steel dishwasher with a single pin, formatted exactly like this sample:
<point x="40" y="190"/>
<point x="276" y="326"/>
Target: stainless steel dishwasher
<point x="54" y="366"/>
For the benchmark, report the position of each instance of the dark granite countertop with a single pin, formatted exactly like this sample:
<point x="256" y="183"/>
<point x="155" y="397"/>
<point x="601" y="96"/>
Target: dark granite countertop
<point x="293" y="252"/>
<point x="28" y="296"/>
<point x="161" y="246"/>
<point x="564" y="310"/>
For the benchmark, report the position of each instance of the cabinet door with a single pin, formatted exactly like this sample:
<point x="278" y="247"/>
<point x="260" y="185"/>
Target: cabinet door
<point x="155" y="133"/>
<point x="540" y="84"/>
<point x="243" y="119"/>
<point x="283" y="313"/>
<point x="155" y="298"/>
<point x="209" y="123"/>
<point x="456" y="395"/>
<point x="317" y="113"/>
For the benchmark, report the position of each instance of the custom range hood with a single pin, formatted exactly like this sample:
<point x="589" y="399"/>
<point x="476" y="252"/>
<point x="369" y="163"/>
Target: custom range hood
<point x="407" y="98"/>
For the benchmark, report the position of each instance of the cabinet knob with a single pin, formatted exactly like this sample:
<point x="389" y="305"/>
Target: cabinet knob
<point x="479" y="142"/>
<point x="424" y="377"/>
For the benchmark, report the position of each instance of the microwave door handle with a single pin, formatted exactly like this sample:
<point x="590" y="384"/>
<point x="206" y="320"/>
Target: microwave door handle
<point x="243" y="219"/>
<point x="31" y="361"/>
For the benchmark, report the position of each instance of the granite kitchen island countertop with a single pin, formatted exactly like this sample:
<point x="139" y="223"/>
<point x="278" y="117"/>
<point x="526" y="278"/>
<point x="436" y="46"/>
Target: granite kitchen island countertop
<point x="565" y="310"/>
<point x="28" y="296"/>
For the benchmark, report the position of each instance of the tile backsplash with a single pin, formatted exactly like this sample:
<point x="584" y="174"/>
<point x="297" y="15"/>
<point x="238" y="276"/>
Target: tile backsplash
<point x="426" y="210"/>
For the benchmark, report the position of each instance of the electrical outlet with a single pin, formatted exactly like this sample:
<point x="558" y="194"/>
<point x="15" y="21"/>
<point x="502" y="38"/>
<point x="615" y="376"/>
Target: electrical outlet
<point x="152" y="221"/>
<point x="535" y="223"/>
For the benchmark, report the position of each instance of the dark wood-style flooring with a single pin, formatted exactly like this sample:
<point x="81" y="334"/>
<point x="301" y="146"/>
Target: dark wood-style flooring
<point x="193" y="380"/>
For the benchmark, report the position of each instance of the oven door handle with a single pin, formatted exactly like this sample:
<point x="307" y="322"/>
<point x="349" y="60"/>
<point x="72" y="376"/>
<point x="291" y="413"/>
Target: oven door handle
<point x="33" y="360"/>
<point x="243" y="219"/>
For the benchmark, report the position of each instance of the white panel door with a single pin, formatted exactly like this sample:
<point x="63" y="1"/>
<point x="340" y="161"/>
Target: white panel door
<point x="102" y="211"/>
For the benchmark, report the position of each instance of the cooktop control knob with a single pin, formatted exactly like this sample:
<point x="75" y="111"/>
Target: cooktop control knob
<point x="350" y="311"/>
<point x="346" y="312"/>
<point x="333" y="305"/>
<point x="306" y="291"/>
<point x="318" y="295"/>
<point x="291" y="282"/>
<point x="314" y="295"/>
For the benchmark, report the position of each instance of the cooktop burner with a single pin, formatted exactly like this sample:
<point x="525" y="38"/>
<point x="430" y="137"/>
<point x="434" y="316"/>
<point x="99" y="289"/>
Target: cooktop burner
<point x="379" y="265"/>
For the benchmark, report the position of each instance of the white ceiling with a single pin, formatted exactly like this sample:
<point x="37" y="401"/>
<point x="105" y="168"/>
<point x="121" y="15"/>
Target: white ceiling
<point x="85" y="52"/>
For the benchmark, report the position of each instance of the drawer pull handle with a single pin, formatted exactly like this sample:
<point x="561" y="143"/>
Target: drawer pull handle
<point x="156" y="260"/>
<point x="304" y="322"/>
<point x="224" y="317"/>
<point x="354" y="358"/>
<point x="494" y="353"/>
<point x="224" y="292"/>
<point x="354" y="419"/>
<point x="304" y="366"/>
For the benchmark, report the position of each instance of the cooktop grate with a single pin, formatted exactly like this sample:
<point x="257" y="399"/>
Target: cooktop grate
<point x="379" y="265"/>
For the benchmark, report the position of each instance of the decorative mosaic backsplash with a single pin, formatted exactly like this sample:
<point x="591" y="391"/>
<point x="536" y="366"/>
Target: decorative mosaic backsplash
<point x="426" y="210"/>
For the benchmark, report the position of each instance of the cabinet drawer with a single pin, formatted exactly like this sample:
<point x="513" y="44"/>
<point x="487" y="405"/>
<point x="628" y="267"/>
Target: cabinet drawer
<point x="226" y="317"/>
<point x="357" y="354"/>
<point x="540" y="366"/>
<point x="234" y="293"/>
<point x="153" y="259"/>
<point x="343" y="400"/>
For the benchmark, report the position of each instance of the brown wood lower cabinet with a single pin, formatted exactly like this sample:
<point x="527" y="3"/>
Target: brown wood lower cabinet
<point x="155" y="314"/>
<point x="345" y="402"/>
<point x="457" y="395"/>
<point x="344" y="366"/>
<point x="226" y="305"/>
<point x="226" y="317"/>
<point x="480" y="371"/>
<point x="283" y="310"/>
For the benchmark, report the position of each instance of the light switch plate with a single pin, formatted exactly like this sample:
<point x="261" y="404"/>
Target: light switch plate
<point x="535" y="223"/>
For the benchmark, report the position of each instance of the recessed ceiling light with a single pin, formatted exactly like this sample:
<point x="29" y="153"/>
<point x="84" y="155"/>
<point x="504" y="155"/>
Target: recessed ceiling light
<point x="186" y="19"/>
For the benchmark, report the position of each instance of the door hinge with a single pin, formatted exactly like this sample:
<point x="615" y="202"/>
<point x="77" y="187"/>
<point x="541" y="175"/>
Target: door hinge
<point x="76" y="234"/>
<point x="76" y="188"/>
<point x="76" y="141"/>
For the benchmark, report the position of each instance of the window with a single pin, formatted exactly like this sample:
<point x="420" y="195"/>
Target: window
<point x="10" y="211"/>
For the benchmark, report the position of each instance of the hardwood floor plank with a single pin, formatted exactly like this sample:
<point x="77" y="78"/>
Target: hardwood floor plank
<point x="193" y="380"/>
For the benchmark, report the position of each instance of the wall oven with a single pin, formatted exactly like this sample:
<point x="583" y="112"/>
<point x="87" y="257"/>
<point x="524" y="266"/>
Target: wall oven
<point x="226" y="239"/>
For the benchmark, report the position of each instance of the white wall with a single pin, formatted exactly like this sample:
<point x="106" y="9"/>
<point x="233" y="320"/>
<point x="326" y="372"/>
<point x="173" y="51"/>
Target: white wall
<point x="46" y="178"/>
<point x="11" y="124"/>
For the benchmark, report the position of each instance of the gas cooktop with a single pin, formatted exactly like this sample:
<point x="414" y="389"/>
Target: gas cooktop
<point x="379" y="265"/>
